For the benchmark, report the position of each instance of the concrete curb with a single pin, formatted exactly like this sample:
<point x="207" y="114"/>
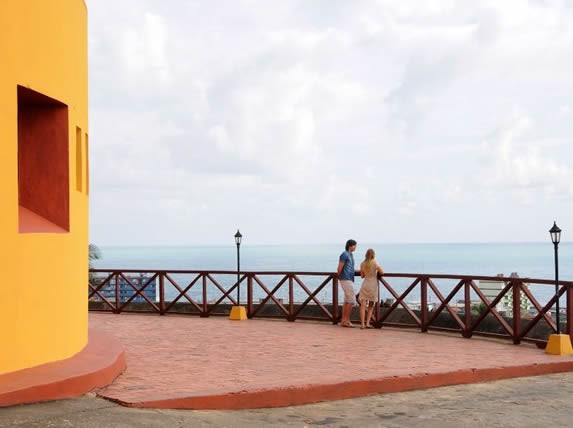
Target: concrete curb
<point x="306" y="394"/>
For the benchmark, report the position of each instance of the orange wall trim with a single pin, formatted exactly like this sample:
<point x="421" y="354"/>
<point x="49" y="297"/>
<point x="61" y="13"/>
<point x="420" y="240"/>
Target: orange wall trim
<point x="96" y="366"/>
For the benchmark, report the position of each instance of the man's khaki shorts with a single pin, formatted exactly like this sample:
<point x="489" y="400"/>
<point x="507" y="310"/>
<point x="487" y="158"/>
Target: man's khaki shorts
<point x="348" y="288"/>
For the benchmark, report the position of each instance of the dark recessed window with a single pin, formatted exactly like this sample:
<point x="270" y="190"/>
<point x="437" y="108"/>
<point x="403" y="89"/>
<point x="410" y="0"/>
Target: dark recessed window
<point x="43" y="163"/>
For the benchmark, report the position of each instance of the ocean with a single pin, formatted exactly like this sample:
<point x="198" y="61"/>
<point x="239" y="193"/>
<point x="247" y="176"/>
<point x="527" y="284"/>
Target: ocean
<point x="529" y="260"/>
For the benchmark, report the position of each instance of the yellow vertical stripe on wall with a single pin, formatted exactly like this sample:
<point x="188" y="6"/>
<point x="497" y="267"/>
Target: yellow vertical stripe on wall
<point x="79" y="159"/>
<point x="87" y="164"/>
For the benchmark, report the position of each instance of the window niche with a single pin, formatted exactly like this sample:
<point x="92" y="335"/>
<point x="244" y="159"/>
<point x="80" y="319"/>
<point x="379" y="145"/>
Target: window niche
<point x="79" y="160"/>
<point x="87" y="152"/>
<point x="43" y="163"/>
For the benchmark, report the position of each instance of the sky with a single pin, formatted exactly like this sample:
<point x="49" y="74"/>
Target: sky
<point x="316" y="121"/>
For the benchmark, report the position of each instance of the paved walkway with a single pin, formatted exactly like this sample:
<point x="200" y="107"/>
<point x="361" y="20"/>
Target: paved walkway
<point x="177" y="360"/>
<point x="204" y="363"/>
<point x="541" y="401"/>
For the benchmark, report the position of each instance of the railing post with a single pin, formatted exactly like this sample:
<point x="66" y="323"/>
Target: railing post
<point x="424" y="303"/>
<point x="467" y="310"/>
<point x="204" y="313"/>
<point x="161" y="293"/>
<point x="378" y="301"/>
<point x="250" y="308"/>
<point x="290" y="299"/>
<point x="569" y="299"/>
<point x="117" y="293"/>
<point x="334" y="299"/>
<point x="516" y="308"/>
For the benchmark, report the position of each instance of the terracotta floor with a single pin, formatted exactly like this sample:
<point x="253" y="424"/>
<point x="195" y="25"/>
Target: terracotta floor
<point x="190" y="362"/>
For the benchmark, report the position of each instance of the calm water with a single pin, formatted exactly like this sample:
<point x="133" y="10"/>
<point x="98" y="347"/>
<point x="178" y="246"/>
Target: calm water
<point x="533" y="260"/>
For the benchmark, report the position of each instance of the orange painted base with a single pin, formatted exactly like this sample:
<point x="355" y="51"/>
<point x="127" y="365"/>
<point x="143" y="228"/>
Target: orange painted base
<point x="97" y="365"/>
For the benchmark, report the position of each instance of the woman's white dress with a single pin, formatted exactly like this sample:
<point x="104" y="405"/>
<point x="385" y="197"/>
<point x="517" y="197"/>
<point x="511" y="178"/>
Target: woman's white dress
<point x="369" y="288"/>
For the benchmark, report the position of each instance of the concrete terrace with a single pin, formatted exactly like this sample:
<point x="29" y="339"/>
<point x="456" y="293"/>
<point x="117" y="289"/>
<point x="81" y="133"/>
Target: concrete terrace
<point x="184" y="362"/>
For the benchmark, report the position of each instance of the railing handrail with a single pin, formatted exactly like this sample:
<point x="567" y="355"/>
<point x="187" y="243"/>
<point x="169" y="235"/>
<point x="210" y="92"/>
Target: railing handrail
<point x="357" y="274"/>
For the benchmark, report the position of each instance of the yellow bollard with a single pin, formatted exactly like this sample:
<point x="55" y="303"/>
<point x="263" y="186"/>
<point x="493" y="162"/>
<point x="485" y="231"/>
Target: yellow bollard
<point x="238" y="313"/>
<point x="559" y="344"/>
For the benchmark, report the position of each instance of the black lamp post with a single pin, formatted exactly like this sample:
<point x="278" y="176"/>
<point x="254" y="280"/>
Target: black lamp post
<point x="555" y="238"/>
<point x="238" y="238"/>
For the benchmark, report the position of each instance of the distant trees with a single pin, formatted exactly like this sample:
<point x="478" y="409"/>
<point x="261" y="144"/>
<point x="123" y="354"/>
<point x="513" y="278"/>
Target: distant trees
<point x="94" y="253"/>
<point x="479" y="309"/>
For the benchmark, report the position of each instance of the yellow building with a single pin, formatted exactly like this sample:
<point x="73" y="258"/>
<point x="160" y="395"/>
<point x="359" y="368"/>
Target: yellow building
<point x="43" y="181"/>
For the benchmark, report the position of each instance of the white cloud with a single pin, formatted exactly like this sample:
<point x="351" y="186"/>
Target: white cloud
<point x="378" y="119"/>
<point x="525" y="165"/>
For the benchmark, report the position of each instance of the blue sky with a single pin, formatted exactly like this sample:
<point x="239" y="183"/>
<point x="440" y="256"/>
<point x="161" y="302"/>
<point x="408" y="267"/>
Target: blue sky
<point x="314" y="121"/>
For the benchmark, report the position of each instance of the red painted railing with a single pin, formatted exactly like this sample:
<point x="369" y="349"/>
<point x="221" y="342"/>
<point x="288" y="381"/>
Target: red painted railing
<point x="320" y="300"/>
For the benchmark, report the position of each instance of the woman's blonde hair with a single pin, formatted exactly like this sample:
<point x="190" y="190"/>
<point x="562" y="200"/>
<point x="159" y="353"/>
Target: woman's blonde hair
<point x="369" y="259"/>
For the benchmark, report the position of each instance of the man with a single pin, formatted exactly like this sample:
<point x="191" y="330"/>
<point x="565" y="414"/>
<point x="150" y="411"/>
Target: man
<point x="346" y="276"/>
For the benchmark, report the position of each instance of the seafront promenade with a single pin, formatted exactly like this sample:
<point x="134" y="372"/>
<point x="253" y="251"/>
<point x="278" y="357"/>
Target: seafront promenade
<point x="212" y="363"/>
<point x="215" y="363"/>
<point x="178" y="361"/>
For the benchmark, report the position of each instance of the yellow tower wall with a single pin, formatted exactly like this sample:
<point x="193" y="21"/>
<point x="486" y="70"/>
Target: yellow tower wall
<point x="43" y="181"/>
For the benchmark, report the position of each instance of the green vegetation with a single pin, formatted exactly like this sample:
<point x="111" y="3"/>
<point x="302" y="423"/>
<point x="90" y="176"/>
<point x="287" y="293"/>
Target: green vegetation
<point x="479" y="309"/>
<point x="94" y="253"/>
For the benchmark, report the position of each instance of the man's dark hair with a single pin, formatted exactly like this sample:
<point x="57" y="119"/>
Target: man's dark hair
<point x="350" y="243"/>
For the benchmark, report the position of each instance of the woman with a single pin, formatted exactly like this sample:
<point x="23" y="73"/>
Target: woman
<point x="369" y="270"/>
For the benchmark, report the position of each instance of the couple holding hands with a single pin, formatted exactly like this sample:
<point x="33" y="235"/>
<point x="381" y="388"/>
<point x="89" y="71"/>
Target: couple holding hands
<point x="368" y="295"/>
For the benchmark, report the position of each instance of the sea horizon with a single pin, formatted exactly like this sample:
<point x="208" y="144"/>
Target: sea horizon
<point x="244" y="243"/>
<point x="527" y="260"/>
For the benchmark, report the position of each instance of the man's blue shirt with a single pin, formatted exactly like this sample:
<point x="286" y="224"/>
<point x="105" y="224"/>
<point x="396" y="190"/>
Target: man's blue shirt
<point x="348" y="269"/>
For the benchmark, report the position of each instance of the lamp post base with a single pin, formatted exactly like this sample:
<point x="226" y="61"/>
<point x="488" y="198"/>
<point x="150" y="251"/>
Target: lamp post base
<point x="238" y="313"/>
<point x="559" y="344"/>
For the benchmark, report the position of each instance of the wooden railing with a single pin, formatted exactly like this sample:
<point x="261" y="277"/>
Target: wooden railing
<point x="314" y="295"/>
